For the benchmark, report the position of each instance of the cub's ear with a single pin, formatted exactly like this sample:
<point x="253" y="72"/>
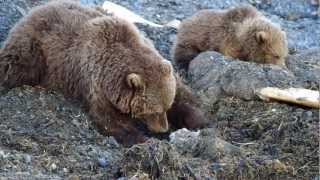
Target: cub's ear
<point x="135" y="81"/>
<point x="261" y="37"/>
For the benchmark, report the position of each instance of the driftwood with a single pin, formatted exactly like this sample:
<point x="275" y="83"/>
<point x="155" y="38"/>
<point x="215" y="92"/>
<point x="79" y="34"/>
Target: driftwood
<point x="124" y="13"/>
<point x="298" y="96"/>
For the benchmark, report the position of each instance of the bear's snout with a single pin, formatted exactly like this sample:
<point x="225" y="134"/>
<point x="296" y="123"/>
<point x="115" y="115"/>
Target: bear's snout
<point x="157" y="123"/>
<point x="281" y="63"/>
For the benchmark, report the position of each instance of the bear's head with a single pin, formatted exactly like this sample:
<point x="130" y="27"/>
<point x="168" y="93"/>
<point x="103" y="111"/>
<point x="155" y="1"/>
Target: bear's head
<point x="136" y="79"/>
<point x="263" y="41"/>
<point x="153" y="90"/>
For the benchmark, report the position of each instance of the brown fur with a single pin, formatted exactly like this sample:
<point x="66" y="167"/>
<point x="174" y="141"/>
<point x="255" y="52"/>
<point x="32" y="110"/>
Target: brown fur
<point x="185" y="111"/>
<point x="241" y="32"/>
<point x="100" y="60"/>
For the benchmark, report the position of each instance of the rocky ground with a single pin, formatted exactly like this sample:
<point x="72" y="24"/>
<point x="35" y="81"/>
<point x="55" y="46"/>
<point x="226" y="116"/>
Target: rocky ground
<point x="45" y="136"/>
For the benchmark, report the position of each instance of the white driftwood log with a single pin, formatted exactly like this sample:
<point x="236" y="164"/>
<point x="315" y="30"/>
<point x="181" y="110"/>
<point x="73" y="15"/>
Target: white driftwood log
<point x="124" y="13"/>
<point x="298" y="96"/>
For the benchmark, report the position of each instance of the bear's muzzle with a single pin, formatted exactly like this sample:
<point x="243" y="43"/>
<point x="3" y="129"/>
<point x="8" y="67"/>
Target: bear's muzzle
<point x="157" y="123"/>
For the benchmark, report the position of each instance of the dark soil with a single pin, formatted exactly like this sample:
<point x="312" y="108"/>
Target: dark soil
<point x="284" y="132"/>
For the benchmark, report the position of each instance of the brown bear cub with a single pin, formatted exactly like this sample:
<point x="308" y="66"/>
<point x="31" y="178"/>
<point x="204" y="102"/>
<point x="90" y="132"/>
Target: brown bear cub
<point x="103" y="62"/>
<point x="241" y="32"/>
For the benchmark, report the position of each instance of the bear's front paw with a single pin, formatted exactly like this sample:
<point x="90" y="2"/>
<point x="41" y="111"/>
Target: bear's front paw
<point x="187" y="116"/>
<point x="131" y="140"/>
<point x="129" y="137"/>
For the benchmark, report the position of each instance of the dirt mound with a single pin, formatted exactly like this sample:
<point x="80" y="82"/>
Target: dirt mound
<point x="285" y="133"/>
<point x="45" y="136"/>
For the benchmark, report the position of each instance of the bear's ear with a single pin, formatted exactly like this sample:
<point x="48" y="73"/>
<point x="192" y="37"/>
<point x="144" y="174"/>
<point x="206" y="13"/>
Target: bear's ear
<point x="135" y="81"/>
<point x="166" y="67"/>
<point x="261" y="37"/>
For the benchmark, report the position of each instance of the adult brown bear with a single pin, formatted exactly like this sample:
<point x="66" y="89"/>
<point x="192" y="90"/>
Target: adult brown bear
<point x="100" y="60"/>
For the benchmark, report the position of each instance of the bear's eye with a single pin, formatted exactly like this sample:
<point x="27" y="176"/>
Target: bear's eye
<point x="276" y="57"/>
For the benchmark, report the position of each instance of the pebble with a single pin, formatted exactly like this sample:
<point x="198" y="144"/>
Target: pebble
<point x="309" y="113"/>
<point x="2" y="154"/>
<point x="103" y="162"/>
<point x="53" y="167"/>
<point x="73" y="177"/>
<point x="65" y="170"/>
<point x="316" y="178"/>
<point x="113" y="142"/>
<point x="208" y="178"/>
<point x="27" y="159"/>
<point x="242" y="163"/>
<point x="307" y="116"/>
<point x="216" y="166"/>
<point x="174" y="23"/>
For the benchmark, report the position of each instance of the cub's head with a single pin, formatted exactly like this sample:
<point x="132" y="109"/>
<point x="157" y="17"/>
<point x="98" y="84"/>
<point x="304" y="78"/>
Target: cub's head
<point x="263" y="41"/>
<point x="136" y="79"/>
